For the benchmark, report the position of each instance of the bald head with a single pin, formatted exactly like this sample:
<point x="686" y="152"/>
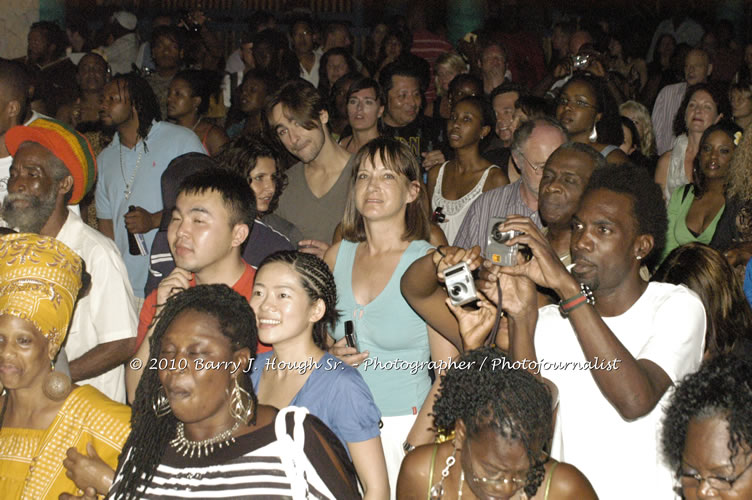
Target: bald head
<point x="697" y="67"/>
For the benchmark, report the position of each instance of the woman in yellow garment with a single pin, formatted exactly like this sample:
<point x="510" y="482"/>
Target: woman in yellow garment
<point x="41" y="417"/>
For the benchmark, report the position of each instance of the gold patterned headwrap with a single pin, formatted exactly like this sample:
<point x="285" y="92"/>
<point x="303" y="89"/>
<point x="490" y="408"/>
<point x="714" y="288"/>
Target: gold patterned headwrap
<point x="39" y="281"/>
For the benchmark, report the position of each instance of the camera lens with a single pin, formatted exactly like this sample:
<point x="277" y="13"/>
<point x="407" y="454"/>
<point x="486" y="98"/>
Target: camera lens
<point x="457" y="290"/>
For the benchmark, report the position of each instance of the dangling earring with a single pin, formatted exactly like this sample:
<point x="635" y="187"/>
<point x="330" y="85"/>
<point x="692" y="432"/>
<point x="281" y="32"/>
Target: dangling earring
<point x="241" y="403"/>
<point x="437" y="490"/>
<point x="639" y="257"/>
<point x="593" y="137"/>
<point x="57" y="385"/>
<point x="160" y="404"/>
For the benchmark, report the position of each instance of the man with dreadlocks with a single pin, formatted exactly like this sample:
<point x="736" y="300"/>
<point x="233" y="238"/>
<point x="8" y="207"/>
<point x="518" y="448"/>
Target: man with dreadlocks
<point x="130" y="168"/>
<point x="500" y="434"/>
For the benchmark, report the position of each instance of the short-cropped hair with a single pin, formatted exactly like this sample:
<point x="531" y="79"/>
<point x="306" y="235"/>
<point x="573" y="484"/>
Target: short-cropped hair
<point x="231" y="186"/>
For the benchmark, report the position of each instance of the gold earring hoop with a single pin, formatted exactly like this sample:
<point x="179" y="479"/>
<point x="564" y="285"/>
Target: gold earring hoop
<point x="160" y="404"/>
<point x="241" y="403"/>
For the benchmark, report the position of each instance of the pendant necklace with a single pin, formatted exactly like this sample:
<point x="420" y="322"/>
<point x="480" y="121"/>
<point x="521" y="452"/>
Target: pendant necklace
<point x="129" y="184"/>
<point x="185" y="446"/>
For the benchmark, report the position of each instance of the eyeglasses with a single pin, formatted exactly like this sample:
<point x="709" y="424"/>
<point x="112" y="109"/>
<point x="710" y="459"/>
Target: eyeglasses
<point x="493" y="482"/>
<point x="693" y="481"/>
<point x="535" y="168"/>
<point x="578" y="103"/>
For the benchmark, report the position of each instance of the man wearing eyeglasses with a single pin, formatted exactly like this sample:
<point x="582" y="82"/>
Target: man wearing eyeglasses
<point x="533" y="143"/>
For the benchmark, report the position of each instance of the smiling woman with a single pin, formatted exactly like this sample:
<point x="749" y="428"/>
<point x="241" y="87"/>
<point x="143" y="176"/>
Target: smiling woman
<point x="202" y="430"/>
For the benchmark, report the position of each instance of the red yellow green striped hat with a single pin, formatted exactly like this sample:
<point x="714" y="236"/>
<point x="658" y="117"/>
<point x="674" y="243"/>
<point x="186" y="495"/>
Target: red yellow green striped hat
<point x="66" y="144"/>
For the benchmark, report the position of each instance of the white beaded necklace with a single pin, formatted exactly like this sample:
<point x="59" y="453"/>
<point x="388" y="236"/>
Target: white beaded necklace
<point x="129" y="184"/>
<point x="184" y="445"/>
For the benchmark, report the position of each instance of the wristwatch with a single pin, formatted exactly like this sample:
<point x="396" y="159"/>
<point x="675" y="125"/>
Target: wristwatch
<point x="407" y="447"/>
<point x="584" y="297"/>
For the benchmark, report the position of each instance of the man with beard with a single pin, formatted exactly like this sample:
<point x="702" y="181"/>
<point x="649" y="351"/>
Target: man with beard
<point x="53" y="166"/>
<point x="314" y="199"/>
<point x="131" y="167"/>
<point x="615" y="344"/>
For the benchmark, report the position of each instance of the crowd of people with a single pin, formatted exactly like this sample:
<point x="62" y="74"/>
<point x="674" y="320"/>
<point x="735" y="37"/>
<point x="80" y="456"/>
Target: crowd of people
<point x="498" y="266"/>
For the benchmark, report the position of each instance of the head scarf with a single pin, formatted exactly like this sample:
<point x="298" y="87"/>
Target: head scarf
<point x="66" y="144"/>
<point x="39" y="281"/>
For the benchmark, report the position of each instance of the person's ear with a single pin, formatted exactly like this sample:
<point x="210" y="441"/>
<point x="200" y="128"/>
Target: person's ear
<point x="65" y="185"/>
<point x="196" y="102"/>
<point x="484" y="131"/>
<point x="242" y="359"/>
<point x="240" y="233"/>
<point x="318" y="310"/>
<point x="413" y="191"/>
<point x="381" y="111"/>
<point x="52" y="350"/>
<point x="324" y="116"/>
<point x="710" y="69"/>
<point x="718" y="119"/>
<point x="643" y="246"/>
<point x="13" y="108"/>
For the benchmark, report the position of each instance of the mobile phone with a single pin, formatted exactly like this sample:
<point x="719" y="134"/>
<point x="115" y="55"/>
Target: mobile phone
<point x="350" y="338"/>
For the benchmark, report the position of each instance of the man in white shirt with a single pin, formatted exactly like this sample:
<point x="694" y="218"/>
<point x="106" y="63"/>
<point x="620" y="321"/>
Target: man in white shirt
<point x="53" y="166"/>
<point x="615" y="344"/>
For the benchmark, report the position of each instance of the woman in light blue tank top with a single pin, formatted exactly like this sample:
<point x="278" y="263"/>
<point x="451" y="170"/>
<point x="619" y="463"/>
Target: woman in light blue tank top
<point x="384" y="230"/>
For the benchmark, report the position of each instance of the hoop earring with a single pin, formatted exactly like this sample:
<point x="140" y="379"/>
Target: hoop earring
<point x="160" y="404"/>
<point x="593" y="137"/>
<point x="57" y="385"/>
<point x="241" y="403"/>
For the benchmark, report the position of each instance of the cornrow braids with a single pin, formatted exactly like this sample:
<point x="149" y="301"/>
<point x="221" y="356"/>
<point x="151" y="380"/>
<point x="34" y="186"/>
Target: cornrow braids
<point x="513" y="403"/>
<point x="318" y="282"/>
<point x="150" y="434"/>
<point x="143" y="99"/>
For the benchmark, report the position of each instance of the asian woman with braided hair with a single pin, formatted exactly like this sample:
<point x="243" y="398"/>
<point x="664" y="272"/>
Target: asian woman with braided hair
<point x="496" y="438"/>
<point x="197" y="424"/>
<point x="295" y="299"/>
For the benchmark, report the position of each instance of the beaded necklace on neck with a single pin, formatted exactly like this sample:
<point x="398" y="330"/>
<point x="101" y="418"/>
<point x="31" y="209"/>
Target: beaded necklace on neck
<point x="129" y="184"/>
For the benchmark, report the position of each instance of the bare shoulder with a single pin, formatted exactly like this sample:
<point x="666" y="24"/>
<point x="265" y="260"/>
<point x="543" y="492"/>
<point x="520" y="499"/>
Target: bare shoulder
<point x="414" y="473"/>
<point x="330" y="256"/>
<point x="617" y="157"/>
<point x="496" y="178"/>
<point x="568" y="482"/>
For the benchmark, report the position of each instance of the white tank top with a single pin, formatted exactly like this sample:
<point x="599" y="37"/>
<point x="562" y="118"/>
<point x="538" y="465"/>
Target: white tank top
<point x="454" y="210"/>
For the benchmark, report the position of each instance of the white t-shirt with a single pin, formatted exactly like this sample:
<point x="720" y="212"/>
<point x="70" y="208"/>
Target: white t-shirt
<point x="622" y="459"/>
<point x="109" y="311"/>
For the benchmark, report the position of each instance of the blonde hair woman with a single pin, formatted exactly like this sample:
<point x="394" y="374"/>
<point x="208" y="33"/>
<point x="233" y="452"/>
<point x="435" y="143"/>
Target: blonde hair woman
<point x="448" y="65"/>
<point x="640" y="116"/>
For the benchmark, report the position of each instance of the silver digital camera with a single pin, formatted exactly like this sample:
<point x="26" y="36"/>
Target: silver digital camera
<point x="580" y="61"/>
<point x="497" y="251"/>
<point x="459" y="284"/>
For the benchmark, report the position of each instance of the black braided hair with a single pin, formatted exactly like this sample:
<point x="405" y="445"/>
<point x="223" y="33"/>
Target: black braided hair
<point x="318" y="282"/>
<point x="488" y="392"/>
<point x="150" y="435"/>
<point x="143" y="99"/>
<point x="721" y="388"/>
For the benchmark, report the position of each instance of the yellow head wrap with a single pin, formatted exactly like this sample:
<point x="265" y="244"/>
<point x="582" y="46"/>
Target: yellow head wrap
<point x="39" y="281"/>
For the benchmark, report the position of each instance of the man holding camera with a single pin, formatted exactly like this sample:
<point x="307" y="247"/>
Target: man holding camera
<point x="614" y="344"/>
<point x="534" y="141"/>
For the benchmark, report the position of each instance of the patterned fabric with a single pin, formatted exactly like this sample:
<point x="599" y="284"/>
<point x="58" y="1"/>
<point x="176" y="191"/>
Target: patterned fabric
<point x="72" y="148"/>
<point x="31" y="460"/>
<point x="39" y="281"/>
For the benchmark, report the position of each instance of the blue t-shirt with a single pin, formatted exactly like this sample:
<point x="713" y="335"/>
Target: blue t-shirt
<point x="397" y="371"/>
<point x="336" y="394"/>
<point x="164" y="142"/>
<point x="748" y="282"/>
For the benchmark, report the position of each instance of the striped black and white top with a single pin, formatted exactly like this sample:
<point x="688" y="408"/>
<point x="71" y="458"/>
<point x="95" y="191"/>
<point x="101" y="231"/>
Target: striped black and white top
<point x="294" y="458"/>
